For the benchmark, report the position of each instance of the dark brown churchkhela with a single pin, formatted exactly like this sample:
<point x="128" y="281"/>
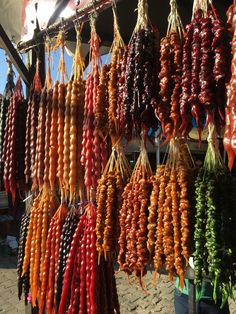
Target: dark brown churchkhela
<point x="14" y="142"/>
<point x="31" y="129"/>
<point x="140" y="76"/>
<point x="4" y="104"/>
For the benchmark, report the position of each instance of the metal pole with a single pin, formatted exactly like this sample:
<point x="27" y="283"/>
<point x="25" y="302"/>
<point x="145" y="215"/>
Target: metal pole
<point x="191" y="297"/>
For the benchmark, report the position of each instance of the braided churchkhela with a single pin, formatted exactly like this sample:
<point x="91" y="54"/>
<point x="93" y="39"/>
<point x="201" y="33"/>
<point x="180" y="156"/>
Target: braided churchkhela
<point x="117" y="61"/>
<point x="171" y="241"/>
<point x="140" y="75"/>
<point x="168" y="108"/>
<point x="110" y="188"/>
<point x="67" y="233"/>
<point x="14" y="142"/>
<point x="53" y="148"/>
<point x="90" y="144"/>
<point x="22" y="281"/>
<point x="31" y="128"/>
<point x="101" y="123"/>
<point x="205" y="67"/>
<point x="79" y="290"/>
<point x="40" y="142"/>
<point x="214" y="246"/>
<point x="4" y="104"/>
<point x="133" y="256"/>
<point x="230" y="130"/>
<point x="66" y="251"/>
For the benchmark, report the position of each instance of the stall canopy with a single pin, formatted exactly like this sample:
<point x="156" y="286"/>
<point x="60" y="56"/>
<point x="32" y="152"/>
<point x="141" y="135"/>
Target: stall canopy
<point x="18" y="17"/>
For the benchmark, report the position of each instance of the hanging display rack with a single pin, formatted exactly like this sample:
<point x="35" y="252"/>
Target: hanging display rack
<point x="80" y="16"/>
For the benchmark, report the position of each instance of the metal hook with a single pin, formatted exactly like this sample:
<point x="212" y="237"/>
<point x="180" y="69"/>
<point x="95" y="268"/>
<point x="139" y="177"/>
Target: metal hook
<point x="62" y="26"/>
<point x="76" y="21"/>
<point x="114" y="5"/>
<point x="95" y="13"/>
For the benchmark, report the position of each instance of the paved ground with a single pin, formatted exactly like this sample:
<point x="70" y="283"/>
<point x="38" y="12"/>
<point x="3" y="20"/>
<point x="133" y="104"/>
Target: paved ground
<point x="8" y="285"/>
<point x="158" y="299"/>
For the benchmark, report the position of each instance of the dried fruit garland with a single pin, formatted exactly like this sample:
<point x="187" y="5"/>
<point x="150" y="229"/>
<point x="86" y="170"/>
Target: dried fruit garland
<point x="109" y="201"/>
<point x="23" y="282"/>
<point x="170" y="238"/>
<point x="13" y="149"/>
<point x="101" y="122"/>
<point x="214" y="245"/>
<point x="50" y="262"/>
<point x="117" y="51"/>
<point x="140" y="75"/>
<point x="80" y="291"/>
<point x="168" y="108"/>
<point x="91" y="144"/>
<point x="31" y="128"/>
<point x="205" y="70"/>
<point x="8" y="91"/>
<point x="56" y="165"/>
<point x="133" y="255"/>
<point x="41" y="212"/>
<point x="73" y="178"/>
<point x="230" y="126"/>
<point x="67" y="233"/>
<point x="38" y="173"/>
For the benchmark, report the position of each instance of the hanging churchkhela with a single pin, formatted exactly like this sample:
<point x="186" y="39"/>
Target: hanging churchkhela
<point x="87" y="208"/>
<point x="117" y="58"/>
<point x="214" y="234"/>
<point x="91" y="148"/>
<point x="133" y="255"/>
<point x="170" y="238"/>
<point x="109" y="201"/>
<point x="141" y="75"/>
<point x="230" y="128"/>
<point x="205" y="68"/>
<point x="4" y="104"/>
<point x="31" y="128"/>
<point x="13" y="147"/>
<point x="168" y="108"/>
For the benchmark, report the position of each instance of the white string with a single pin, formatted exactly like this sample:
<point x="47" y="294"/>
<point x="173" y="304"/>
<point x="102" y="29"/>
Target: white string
<point x="201" y="5"/>
<point x="174" y="21"/>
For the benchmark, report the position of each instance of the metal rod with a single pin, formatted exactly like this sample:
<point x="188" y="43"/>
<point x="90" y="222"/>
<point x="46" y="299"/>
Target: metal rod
<point x="14" y="56"/>
<point x="191" y="297"/>
<point x="81" y="15"/>
<point x="60" y="6"/>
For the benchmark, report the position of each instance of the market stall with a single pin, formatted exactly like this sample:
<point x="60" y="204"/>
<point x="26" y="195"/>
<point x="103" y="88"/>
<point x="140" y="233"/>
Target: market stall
<point x="169" y="79"/>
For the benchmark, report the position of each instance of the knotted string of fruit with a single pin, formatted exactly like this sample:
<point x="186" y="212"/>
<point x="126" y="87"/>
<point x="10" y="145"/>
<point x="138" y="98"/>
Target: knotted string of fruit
<point x="173" y="238"/>
<point x="76" y="172"/>
<point x="109" y="201"/>
<point x="117" y="53"/>
<point x="133" y="254"/>
<point x="91" y="154"/>
<point x="214" y="220"/>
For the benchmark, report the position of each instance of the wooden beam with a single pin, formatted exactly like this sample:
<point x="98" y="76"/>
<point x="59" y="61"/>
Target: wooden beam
<point x="14" y="56"/>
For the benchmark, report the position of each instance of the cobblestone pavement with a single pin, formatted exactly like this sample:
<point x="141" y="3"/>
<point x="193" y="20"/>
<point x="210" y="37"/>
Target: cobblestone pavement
<point x="157" y="299"/>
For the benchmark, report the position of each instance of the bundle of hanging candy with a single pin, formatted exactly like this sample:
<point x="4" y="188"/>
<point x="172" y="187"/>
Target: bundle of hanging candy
<point x="65" y="148"/>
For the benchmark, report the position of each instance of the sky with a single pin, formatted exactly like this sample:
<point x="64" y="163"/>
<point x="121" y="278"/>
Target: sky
<point x="54" y="66"/>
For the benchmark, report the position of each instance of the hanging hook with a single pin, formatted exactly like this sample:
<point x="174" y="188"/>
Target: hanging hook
<point x="76" y="20"/>
<point x="95" y="13"/>
<point x="114" y="6"/>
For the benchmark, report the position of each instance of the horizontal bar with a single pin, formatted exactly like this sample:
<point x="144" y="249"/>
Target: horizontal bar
<point x="81" y="15"/>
